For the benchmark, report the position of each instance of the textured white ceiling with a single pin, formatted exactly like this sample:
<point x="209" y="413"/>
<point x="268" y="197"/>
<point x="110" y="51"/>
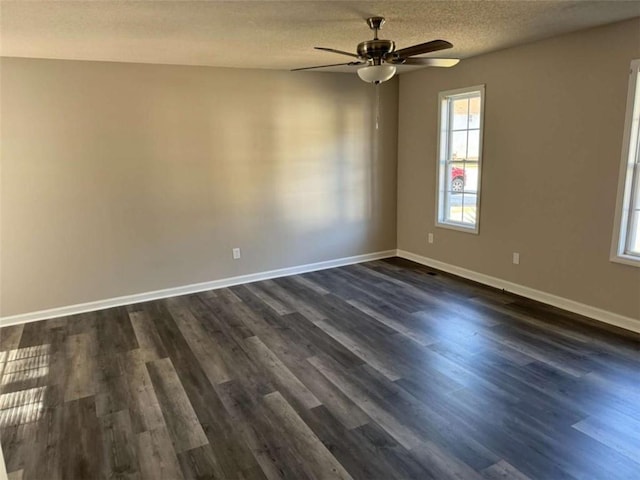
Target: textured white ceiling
<point x="279" y="34"/>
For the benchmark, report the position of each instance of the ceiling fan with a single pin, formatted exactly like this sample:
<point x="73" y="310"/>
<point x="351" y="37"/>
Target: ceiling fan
<point x="381" y="57"/>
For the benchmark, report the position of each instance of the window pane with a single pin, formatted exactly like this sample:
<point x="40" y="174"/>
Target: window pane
<point x="460" y="111"/>
<point x="473" y="145"/>
<point x="456" y="177"/>
<point x="636" y="194"/>
<point x="455" y="213"/>
<point x="471" y="177"/>
<point x="467" y="203"/>
<point x="634" y="233"/>
<point x="470" y="215"/>
<point x="474" y="112"/>
<point x="458" y="145"/>
<point x="462" y="207"/>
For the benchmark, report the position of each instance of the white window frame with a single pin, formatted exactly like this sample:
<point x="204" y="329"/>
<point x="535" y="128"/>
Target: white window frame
<point x="629" y="172"/>
<point x="444" y="133"/>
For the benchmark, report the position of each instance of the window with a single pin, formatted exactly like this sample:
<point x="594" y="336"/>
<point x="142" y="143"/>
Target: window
<point x="460" y="158"/>
<point x="626" y="238"/>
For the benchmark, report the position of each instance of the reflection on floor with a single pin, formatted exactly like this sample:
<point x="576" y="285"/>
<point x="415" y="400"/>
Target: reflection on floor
<point x="375" y="371"/>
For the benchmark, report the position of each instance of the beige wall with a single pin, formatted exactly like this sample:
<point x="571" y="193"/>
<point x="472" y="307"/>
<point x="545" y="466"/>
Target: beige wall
<point x="552" y="144"/>
<point x="122" y="178"/>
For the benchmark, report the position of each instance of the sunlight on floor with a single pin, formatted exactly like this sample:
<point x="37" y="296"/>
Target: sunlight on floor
<point x="23" y="365"/>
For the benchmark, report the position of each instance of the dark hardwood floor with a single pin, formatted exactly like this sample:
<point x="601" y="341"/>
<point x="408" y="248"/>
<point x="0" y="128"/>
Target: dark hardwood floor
<point x="380" y="370"/>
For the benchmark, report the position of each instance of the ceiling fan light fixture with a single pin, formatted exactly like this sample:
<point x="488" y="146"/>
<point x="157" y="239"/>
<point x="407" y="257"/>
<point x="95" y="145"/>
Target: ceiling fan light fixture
<point x="377" y="73"/>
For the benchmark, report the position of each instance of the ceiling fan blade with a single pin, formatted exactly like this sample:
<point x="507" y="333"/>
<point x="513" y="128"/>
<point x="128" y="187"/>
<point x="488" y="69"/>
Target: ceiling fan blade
<point x="331" y="65"/>
<point x="431" y="62"/>
<point x="432" y="46"/>
<point x="333" y="50"/>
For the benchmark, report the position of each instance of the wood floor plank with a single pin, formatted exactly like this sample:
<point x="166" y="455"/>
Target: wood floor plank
<point x="345" y="288"/>
<point x="34" y="334"/>
<point x="182" y="422"/>
<point x="279" y="307"/>
<point x="147" y="336"/>
<point x="120" y="456"/>
<point x="280" y="374"/>
<point x="203" y="345"/>
<point x="304" y="280"/>
<point x="442" y="464"/>
<point x="560" y="360"/>
<point x="17" y="441"/>
<point x="10" y="337"/>
<point x="292" y="294"/>
<point x="401" y="463"/>
<point x="366" y="451"/>
<point x="224" y="315"/>
<point x="50" y="430"/>
<point x="83" y="367"/>
<point x="265" y="438"/>
<point x="413" y="419"/>
<point x="114" y="395"/>
<point x="341" y="406"/>
<point x="503" y="471"/>
<point x="200" y="462"/>
<point x="145" y="410"/>
<point x="563" y="453"/>
<point x="81" y="445"/>
<point x="17" y="475"/>
<point x="226" y="441"/>
<point x="156" y="457"/>
<point x="230" y="341"/>
<point x="621" y="437"/>
<point x="401" y="327"/>
<point x="113" y="328"/>
<point x="321" y="463"/>
<point x="352" y="343"/>
<point x="318" y="341"/>
<point x="293" y="346"/>
<point x="400" y="432"/>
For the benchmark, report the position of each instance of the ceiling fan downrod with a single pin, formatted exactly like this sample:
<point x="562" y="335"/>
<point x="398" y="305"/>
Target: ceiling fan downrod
<point x="373" y="51"/>
<point x="375" y="24"/>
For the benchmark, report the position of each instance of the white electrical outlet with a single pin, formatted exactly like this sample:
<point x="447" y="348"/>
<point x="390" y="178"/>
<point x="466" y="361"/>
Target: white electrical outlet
<point x="236" y="253"/>
<point x="516" y="258"/>
<point x="430" y="238"/>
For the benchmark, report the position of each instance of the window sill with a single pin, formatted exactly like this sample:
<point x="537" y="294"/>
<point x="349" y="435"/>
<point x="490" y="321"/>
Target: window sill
<point x="626" y="260"/>
<point x="458" y="227"/>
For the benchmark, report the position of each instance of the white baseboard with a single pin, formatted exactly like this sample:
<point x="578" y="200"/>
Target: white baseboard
<point x="595" y="313"/>
<point x="187" y="289"/>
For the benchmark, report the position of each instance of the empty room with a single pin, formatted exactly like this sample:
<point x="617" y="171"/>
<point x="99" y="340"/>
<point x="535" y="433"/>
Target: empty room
<point x="319" y="240"/>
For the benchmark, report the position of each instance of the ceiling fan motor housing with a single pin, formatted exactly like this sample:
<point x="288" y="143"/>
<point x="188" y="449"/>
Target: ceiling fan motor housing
<point x="375" y="49"/>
